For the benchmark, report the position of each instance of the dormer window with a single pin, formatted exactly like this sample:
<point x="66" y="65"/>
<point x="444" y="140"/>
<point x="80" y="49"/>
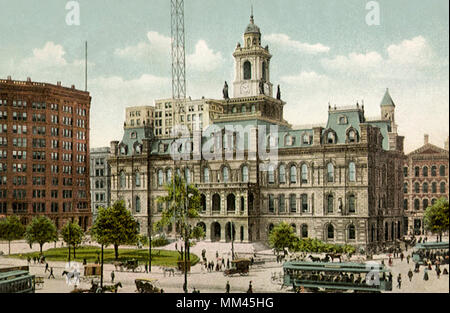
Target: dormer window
<point x="342" y="120"/>
<point x="306" y="138"/>
<point x="123" y="149"/>
<point x="331" y="137"/>
<point x="289" y="140"/>
<point x="352" y="136"/>
<point x="133" y="135"/>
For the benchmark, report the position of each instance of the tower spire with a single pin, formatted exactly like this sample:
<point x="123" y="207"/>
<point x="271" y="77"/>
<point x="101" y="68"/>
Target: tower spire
<point x="251" y="16"/>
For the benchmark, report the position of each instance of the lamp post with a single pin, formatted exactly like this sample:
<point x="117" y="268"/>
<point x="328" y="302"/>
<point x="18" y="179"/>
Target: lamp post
<point x="70" y="226"/>
<point x="101" y="271"/>
<point x="232" y="239"/>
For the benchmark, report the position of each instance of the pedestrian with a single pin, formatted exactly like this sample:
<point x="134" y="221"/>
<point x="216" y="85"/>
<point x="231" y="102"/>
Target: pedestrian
<point x="223" y="262"/>
<point x="410" y="274"/>
<point x="51" y="273"/>
<point x="445" y="272"/>
<point x="217" y="254"/>
<point x="425" y="275"/>
<point x="28" y="260"/>
<point x="250" y="288"/>
<point x="390" y="261"/>
<point x="228" y="263"/>
<point x="46" y="267"/>
<point x="34" y="259"/>
<point x="438" y="272"/>
<point x="399" y="281"/>
<point x="112" y="277"/>
<point x="407" y="258"/>
<point x="84" y="261"/>
<point x="401" y="256"/>
<point x="227" y="287"/>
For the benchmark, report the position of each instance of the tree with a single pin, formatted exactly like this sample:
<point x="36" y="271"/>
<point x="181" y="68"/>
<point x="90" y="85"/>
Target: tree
<point x="184" y="205"/>
<point x="436" y="217"/>
<point x="115" y="226"/>
<point x="72" y="234"/>
<point x="41" y="230"/>
<point x="11" y="229"/>
<point x="282" y="236"/>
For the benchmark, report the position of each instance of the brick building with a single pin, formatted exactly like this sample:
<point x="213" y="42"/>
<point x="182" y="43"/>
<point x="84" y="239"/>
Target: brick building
<point x="44" y="152"/>
<point x="425" y="172"/>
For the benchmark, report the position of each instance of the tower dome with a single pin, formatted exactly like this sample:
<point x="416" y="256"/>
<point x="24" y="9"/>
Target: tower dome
<point x="252" y="28"/>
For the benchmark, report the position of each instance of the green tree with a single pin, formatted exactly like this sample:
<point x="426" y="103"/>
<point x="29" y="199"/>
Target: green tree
<point x="184" y="205"/>
<point x="11" y="229"/>
<point x="72" y="234"/>
<point x="282" y="236"/>
<point x="436" y="217"/>
<point x="41" y="230"/>
<point x="115" y="226"/>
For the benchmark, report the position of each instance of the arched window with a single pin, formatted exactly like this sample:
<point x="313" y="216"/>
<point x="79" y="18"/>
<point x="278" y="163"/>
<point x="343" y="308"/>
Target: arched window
<point x="304" y="231"/>
<point x="405" y="204"/>
<point x="351" y="232"/>
<point x="243" y="109"/>
<point x="122" y="179"/>
<point x="216" y="202"/>
<point x="187" y="175"/>
<point x="416" y="171"/>
<point x="433" y="187"/>
<point x="425" y="171"/>
<point x="271" y="174"/>
<point x="433" y="170"/>
<point x="351" y="136"/>
<point x="137" y="179"/>
<point x="351" y="204"/>
<point x="234" y="110"/>
<point x="425" y="188"/>
<point x="169" y="175"/>
<point x="416" y="204"/>
<point x="282" y="174"/>
<point x="352" y="171"/>
<point x="304" y="203"/>
<point x="247" y="70"/>
<point x="281" y="204"/>
<point x="416" y="187"/>
<point x="271" y="204"/>
<point x="225" y="174"/>
<point x="330" y="231"/>
<point x="442" y="170"/>
<point x="253" y="108"/>
<point x="245" y="174"/>
<point x="330" y="172"/>
<point x="330" y="137"/>
<point x="231" y="202"/>
<point x="405" y="172"/>
<point x="137" y="204"/>
<point x="203" y="202"/>
<point x="304" y="169"/>
<point x="442" y="187"/>
<point x="160" y="178"/>
<point x="292" y="203"/>
<point x="425" y="204"/>
<point x="293" y="174"/>
<point x="206" y="175"/>
<point x="306" y="139"/>
<point x="330" y="201"/>
<point x="405" y="187"/>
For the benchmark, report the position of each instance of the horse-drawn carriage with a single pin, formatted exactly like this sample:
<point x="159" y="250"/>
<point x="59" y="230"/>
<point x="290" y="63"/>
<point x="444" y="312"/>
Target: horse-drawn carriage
<point x="238" y="266"/>
<point x="128" y="265"/>
<point x="91" y="272"/>
<point x="147" y="285"/>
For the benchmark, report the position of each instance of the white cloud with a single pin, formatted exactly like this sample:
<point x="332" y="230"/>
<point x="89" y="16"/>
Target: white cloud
<point x="354" y="61"/>
<point x="414" y="52"/>
<point x="285" y="41"/>
<point x="157" y="44"/>
<point x="204" y="59"/>
<point x="306" y="80"/>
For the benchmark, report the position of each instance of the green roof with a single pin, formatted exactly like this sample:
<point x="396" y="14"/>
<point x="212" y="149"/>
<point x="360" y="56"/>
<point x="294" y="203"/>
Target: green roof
<point x="387" y="100"/>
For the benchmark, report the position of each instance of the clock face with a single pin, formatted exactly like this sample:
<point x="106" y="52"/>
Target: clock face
<point x="245" y="88"/>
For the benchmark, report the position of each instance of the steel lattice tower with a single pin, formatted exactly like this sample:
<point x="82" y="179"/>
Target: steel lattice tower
<point x="178" y="54"/>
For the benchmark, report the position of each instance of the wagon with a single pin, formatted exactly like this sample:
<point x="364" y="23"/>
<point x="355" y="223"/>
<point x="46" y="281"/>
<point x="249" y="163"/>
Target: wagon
<point x="238" y="266"/>
<point x="144" y="285"/>
<point x="128" y="265"/>
<point x="91" y="272"/>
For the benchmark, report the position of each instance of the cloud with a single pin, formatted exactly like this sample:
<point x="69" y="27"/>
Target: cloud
<point x="204" y="59"/>
<point x="156" y="45"/>
<point x="306" y="80"/>
<point x="285" y="41"/>
<point x="411" y="58"/>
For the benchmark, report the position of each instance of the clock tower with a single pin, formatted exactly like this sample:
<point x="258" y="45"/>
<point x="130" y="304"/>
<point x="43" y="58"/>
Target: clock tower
<point x="252" y="65"/>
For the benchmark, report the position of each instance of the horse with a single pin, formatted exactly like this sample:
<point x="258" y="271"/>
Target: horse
<point x="169" y="270"/>
<point x="334" y="256"/>
<point x="314" y="259"/>
<point x="112" y="288"/>
<point x="326" y="259"/>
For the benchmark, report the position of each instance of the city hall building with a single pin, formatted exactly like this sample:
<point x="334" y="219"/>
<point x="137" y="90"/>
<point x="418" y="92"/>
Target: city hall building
<point x="44" y="152"/>
<point x="340" y="182"/>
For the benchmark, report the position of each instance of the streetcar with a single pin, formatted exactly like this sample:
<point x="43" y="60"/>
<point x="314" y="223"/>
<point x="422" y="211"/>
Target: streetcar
<point x="16" y="281"/>
<point x="337" y="277"/>
<point x="431" y="251"/>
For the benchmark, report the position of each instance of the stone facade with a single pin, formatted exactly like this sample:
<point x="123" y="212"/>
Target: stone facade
<point x="426" y="180"/>
<point x="341" y="183"/>
<point x="100" y="173"/>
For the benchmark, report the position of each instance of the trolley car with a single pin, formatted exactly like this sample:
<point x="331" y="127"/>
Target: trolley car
<point x="17" y="281"/>
<point x="337" y="277"/>
<point x="431" y="251"/>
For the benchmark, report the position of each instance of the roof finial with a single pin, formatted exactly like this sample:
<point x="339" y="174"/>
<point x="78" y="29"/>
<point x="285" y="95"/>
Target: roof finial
<point x="251" y="16"/>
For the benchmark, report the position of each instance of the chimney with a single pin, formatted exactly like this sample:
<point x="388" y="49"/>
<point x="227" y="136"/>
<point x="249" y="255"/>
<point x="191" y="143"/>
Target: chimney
<point x="9" y="77"/>
<point x="73" y="86"/>
<point x="425" y="139"/>
<point x="58" y="83"/>
<point x="29" y="79"/>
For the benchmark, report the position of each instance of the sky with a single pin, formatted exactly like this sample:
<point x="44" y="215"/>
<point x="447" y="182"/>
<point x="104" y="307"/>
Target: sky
<point x="324" y="51"/>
